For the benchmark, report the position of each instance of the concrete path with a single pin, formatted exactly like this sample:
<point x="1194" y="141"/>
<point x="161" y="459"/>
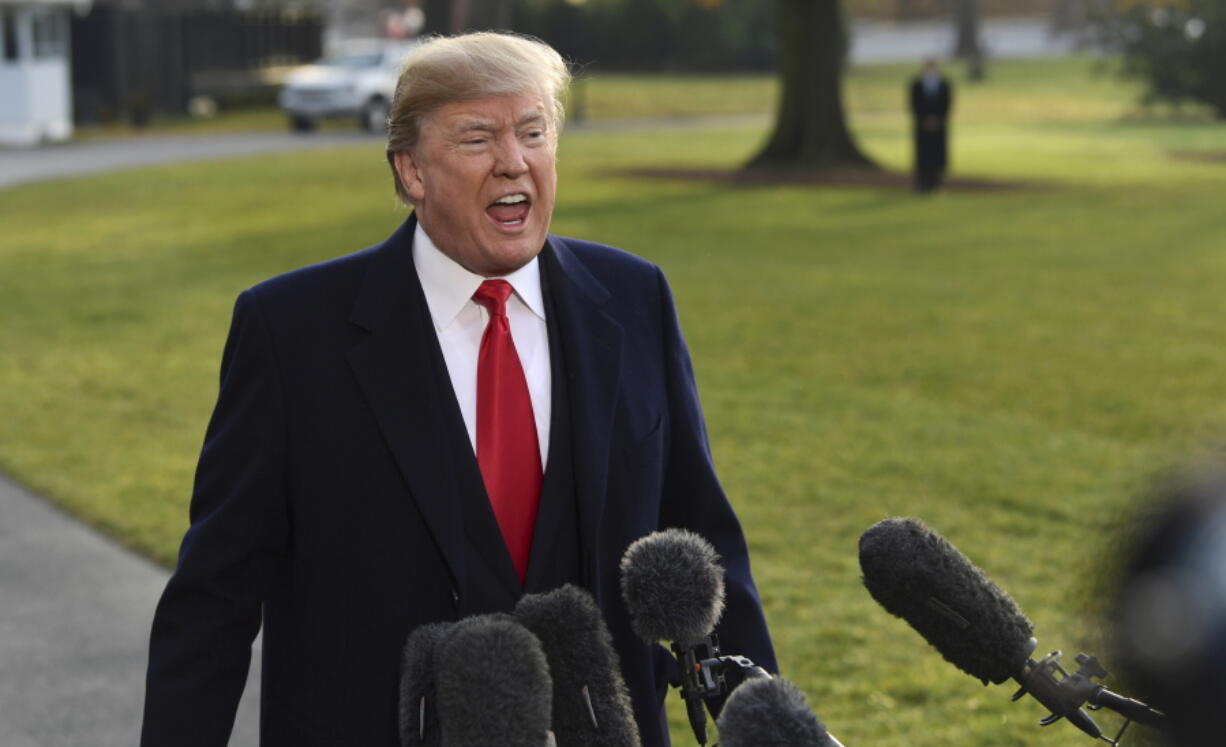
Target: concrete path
<point x="75" y="611"/>
<point x="21" y="166"/>
<point x="1002" y="38"/>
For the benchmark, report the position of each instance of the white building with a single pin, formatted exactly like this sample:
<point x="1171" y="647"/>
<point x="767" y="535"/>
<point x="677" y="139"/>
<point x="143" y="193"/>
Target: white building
<point x="35" y="84"/>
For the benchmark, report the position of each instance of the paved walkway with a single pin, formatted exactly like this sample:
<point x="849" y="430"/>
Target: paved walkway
<point x="1002" y="38"/>
<point x="75" y="611"/>
<point x="23" y="165"/>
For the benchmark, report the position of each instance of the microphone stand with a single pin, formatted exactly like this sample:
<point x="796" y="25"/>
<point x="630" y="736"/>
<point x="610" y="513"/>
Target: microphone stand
<point x="731" y="671"/>
<point x="1064" y="694"/>
<point x="705" y="674"/>
<point x="698" y="682"/>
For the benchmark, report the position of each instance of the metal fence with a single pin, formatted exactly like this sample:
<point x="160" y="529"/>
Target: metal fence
<point x="129" y="64"/>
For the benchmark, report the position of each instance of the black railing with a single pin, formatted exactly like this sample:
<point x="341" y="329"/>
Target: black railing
<point x="128" y="65"/>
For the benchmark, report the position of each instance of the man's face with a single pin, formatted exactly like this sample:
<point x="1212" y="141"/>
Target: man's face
<point x="482" y="180"/>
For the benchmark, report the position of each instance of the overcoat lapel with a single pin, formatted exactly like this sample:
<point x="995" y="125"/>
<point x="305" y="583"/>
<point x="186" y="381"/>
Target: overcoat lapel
<point x="396" y="368"/>
<point x="592" y="346"/>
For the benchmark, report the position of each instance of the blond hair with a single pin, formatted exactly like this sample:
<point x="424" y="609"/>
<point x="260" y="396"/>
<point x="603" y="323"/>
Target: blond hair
<point x="467" y="67"/>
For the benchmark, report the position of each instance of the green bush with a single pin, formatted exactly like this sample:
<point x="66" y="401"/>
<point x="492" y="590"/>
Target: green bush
<point x="1178" y="47"/>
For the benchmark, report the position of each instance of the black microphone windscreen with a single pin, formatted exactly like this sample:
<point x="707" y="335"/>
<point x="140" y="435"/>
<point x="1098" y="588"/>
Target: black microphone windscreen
<point x="419" y="725"/>
<point x="770" y="712"/>
<point x="917" y="575"/>
<point x="673" y="585"/>
<point x="494" y="688"/>
<point x="591" y="705"/>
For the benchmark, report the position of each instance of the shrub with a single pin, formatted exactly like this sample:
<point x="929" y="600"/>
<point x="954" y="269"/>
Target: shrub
<point x="1178" y="46"/>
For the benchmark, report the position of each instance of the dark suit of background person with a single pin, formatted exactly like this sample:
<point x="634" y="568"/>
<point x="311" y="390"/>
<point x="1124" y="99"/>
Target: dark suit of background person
<point x="338" y="500"/>
<point x="931" y="97"/>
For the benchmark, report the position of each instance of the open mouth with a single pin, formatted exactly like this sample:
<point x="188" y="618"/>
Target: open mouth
<point x="510" y="211"/>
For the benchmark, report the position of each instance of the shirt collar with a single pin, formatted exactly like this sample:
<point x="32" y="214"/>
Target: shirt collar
<point x="448" y="286"/>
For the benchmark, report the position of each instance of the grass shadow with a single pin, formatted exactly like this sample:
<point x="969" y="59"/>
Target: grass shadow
<point x="876" y="179"/>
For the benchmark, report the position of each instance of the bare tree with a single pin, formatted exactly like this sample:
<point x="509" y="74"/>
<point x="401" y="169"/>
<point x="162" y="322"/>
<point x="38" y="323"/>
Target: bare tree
<point x="438" y="16"/>
<point x="968" y="46"/>
<point x="479" y="15"/>
<point x="811" y="128"/>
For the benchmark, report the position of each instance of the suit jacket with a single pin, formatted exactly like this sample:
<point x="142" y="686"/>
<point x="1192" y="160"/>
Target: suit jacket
<point x="335" y="503"/>
<point x="936" y="104"/>
<point x="931" y="144"/>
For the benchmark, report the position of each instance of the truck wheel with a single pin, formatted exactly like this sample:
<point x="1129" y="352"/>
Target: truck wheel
<point x="374" y="115"/>
<point x="299" y="123"/>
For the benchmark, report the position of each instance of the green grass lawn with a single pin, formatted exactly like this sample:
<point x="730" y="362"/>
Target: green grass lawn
<point x="596" y="97"/>
<point x="1010" y="365"/>
<point x="875" y="93"/>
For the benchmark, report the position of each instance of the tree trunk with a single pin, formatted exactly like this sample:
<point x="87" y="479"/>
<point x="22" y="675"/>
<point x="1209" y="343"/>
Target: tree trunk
<point x="480" y="15"/>
<point x="811" y="129"/>
<point x="1065" y="16"/>
<point x="438" y="17"/>
<point x="967" y="46"/>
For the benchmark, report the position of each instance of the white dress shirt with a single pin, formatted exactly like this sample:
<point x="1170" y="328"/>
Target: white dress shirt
<point x="460" y="324"/>
<point x="932" y="83"/>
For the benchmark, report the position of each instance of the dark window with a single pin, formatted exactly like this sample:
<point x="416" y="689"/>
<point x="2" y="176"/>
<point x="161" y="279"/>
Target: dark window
<point x="49" y="33"/>
<point x="8" y="19"/>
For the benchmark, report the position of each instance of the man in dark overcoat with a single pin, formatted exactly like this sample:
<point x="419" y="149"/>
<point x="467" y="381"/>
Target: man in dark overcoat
<point x="931" y="98"/>
<point x="427" y="429"/>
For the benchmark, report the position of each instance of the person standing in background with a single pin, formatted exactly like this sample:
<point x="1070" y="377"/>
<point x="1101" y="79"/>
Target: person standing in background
<point x="931" y="99"/>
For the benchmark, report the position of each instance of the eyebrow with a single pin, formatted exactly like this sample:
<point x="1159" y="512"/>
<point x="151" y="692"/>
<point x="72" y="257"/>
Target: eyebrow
<point x="479" y="125"/>
<point x="473" y="125"/>
<point x="531" y="118"/>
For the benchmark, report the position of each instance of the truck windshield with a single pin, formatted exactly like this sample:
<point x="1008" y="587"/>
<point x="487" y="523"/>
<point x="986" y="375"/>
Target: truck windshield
<point x="353" y="61"/>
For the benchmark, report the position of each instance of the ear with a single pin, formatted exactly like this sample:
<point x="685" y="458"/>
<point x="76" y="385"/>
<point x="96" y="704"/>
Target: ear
<point x="410" y="175"/>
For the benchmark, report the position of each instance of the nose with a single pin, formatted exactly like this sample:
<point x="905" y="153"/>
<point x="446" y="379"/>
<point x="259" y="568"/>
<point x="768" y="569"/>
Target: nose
<point x="509" y="159"/>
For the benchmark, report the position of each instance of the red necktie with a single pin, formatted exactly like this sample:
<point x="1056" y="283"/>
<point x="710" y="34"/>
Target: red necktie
<point x="507" y="448"/>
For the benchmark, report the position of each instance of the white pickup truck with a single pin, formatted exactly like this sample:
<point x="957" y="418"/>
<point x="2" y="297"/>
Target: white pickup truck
<point x="357" y="81"/>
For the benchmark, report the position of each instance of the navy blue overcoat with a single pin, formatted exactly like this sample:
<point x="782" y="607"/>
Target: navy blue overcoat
<point x="328" y="507"/>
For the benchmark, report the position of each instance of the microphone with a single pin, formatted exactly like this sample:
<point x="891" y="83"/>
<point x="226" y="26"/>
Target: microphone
<point x="770" y="712"/>
<point x="591" y="704"/>
<point x="419" y="725"/>
<point x="673" y="586"/>
<point x="917" y="575"/>
<point x="494" y="688"/>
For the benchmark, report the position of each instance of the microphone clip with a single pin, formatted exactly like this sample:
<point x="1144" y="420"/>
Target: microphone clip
<point x="1064" y="694"/>
<point x="698" y="682"/>
<point x="730" y="671"/>
<point x="706" y="674"/>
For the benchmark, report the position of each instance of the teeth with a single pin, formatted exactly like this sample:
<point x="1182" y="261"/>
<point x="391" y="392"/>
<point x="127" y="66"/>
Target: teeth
<point x="512" y="199"/>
